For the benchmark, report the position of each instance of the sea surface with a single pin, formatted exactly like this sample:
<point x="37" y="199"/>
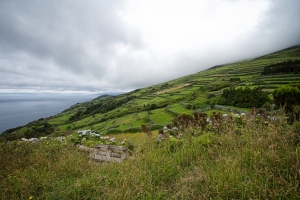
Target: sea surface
<point x="22" y="108"/>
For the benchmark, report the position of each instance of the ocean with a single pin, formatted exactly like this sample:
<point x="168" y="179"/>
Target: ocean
<point x="22" y="108"/>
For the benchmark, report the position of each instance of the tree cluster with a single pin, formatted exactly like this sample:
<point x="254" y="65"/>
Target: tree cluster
<point x="289" y="97"/>
<point x="244" y="98"/>
<point x="101" y="107"/>
<point x="38" y="129"/>
<point x="288" y="66"/>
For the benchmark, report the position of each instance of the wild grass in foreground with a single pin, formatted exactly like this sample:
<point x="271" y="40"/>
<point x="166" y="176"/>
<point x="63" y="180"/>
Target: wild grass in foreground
<point x="249" y="160"/>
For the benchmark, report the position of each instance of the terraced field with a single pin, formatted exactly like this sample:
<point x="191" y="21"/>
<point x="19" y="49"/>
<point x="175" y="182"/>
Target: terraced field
<point x="158" y="104"/>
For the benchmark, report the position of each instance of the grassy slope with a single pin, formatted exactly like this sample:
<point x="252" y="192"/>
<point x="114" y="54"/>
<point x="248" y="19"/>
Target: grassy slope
<point x="176" y="94"/>
<point x="242" y="161"/>
<point x="260" y="162"/>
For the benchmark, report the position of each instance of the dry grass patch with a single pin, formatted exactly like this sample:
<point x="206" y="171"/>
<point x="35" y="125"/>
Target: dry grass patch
<point x="171" y="89"/>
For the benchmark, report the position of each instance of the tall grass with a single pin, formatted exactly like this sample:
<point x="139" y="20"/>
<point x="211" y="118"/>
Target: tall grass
<point x="242" y="161"/>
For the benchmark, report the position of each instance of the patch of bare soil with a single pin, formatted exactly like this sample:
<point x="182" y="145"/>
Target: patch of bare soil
<point x="171" y="89"/>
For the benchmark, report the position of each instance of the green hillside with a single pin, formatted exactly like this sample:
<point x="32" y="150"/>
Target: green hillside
<point x="241" y="156"/>
<point x="157" y="105"/>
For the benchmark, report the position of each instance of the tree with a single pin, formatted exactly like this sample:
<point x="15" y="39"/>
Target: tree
<point x="288" y="96"/>
<point x="288" y="66"/>
<point x="244" y="98"/>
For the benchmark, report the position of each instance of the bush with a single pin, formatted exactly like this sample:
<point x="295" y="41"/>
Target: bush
<point x="189" y="106"/>
<point x="296" y="133"/>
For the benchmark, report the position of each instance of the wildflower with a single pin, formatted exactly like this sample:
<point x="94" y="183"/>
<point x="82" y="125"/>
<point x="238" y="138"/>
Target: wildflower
<point x="31" y="197"/>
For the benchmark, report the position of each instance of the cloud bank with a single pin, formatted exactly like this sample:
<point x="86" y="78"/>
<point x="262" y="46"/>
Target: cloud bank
<point x="105" y="46"/>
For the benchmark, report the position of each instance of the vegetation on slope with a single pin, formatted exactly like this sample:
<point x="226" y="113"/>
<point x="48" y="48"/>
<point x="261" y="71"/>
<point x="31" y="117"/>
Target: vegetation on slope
<point x="186" y="94"/>
<point x="289" y="97"/>
<point x="237" y="157"/>
<point x="289" y="66"/>
<point x="242" y="160"/>
<point x="244" y="98"/>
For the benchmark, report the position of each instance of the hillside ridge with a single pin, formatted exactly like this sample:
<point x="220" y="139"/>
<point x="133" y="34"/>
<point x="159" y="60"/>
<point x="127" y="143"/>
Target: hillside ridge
<point x="157" y="105"/>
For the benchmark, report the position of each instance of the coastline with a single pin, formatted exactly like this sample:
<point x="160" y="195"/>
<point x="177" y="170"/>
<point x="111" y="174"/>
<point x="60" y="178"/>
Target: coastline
<point x="20" y="109"/>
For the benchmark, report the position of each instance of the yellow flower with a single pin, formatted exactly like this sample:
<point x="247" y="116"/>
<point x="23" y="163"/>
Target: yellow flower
<point x="30" y="197"/>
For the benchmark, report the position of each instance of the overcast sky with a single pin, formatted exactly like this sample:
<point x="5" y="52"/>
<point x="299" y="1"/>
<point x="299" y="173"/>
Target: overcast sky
<point x="105" y="45"/>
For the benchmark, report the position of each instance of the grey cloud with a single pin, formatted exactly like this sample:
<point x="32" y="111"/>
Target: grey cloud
<point x="279" y="28"/>
<point x="283" y="22"/>
<point x="76" y="36"/>
<point x="61" y="30"/>
<point x="77" y="45"/>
